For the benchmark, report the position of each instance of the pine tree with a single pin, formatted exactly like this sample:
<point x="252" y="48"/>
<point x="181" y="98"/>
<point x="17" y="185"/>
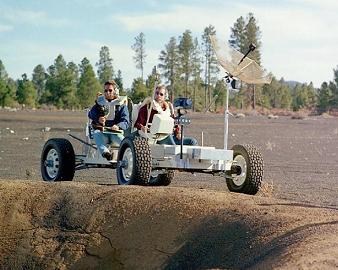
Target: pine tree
<point x="151" y="81"/>
<point x="60" y="84"/>
<point x="220" y="91"/>
<point x="54" y="84"/>
<point x="186" y="47"/>
<point x="140" y="54"/>
<point x="26" y="93"/>
<point x="285" y="96"/>
<point x="195" y="72"/>
<point x="139" y="90"/>
<point x="7" y="88"/>
<point x="277" y="94"/>
<point x="243" y="33"/>
<point x="105" y="69"/>
<point x="303" y="97"/>
<point x="3" y="93"/>
<point x="253" y="35"/>
<point x="334" y="88"/>
<point x="73" y="81"/>
<point x="237" y="37"/>
<point x="271" y="92"/>
<point x="3" y="72"/>
<point x="169" y="64"/>
<point x="325" y="97"/>
<point x="210" y="62"/>
<point x="119" y="81"/>
<point x="39" y="77"/>
<point x="335" y="75"/>
<point x="88" y="86"/>
<point x="312" y="97"/>
<point x="74" y="72"/>
<point x="10" y="96"/>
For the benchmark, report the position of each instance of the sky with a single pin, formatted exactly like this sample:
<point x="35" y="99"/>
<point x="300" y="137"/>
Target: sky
<point x="299" y="37"/>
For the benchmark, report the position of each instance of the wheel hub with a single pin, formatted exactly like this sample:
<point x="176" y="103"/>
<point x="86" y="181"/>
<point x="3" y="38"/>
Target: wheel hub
<point x="239" y="179"/>
<point x="52" y="163"/>
<point x="127" y="161"/>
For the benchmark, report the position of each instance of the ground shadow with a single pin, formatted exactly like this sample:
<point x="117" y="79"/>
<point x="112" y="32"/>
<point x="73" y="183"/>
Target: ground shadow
<point x="216" y="244"/>
<point x="234" y="245"/>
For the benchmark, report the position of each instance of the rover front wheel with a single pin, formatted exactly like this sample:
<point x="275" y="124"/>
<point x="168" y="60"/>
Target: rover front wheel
<point x="133" y="162"/>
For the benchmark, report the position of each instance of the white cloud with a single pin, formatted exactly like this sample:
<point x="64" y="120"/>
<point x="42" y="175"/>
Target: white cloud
<point x="5" y="28"/>
<point x="96" y="4"/>
<point x="317" y="4"/>
<point x="293" y="25"/>
<point x="22" y="16"/>
<point x="179" y="18"/>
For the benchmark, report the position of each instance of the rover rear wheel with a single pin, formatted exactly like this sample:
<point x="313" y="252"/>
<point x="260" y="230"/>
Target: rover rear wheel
<point x="57" y="160"/>
<point x="249" y="174"/>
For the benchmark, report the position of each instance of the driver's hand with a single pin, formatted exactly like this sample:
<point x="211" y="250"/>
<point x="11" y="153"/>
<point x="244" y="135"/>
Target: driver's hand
<point x="102" y="120"/>
<point x="115" y="127"/>
<point x="144" y="129"/>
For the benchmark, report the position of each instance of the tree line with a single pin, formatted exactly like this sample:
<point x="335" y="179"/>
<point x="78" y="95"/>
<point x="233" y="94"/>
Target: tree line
<point x="188" y="67"/>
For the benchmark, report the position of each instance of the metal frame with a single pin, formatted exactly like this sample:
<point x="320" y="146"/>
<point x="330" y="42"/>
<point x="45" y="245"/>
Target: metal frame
<point x="195" y="158"/>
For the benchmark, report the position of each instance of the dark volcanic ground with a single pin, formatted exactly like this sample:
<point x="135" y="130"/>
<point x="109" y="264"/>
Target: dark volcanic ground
<point x="301" y="160"/>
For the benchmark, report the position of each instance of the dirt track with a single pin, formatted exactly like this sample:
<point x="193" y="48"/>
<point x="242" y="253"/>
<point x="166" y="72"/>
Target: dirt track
<point x="194" y="223"/>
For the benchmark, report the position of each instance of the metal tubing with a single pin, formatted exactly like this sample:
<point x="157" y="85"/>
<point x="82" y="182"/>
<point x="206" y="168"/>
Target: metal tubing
<point x="82" y="141"/>
<point x="182" y="136"/>
<point x="226" y="118"/>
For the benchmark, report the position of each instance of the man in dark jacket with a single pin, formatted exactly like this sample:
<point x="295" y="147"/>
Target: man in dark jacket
<point x="109" y="119"/>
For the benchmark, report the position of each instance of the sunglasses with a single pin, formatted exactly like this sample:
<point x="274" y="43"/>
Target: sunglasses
<point x="159" y="93"/>
<point x="108" y="90"/>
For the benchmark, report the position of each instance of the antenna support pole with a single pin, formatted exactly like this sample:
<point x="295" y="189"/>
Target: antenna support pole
<point x="226" y="113"/>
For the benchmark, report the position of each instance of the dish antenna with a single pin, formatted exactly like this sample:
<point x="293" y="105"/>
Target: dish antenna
<point x="240" y="66"/>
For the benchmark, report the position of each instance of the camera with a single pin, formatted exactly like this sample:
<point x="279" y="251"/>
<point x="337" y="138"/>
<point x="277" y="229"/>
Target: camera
<point x="183" y="103"/>
<point x="235" y="84"/>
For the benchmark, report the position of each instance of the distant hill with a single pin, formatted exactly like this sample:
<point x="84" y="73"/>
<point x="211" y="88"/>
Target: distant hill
<point x="292" y="84"/>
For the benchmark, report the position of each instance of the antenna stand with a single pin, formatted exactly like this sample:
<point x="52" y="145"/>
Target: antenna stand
<point x="182" y="133"/>
<point x="228" y="80"/>
<point x="182" y="121"/>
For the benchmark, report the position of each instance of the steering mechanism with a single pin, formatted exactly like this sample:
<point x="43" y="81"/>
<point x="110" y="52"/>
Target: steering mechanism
<point x="182" y="105"/>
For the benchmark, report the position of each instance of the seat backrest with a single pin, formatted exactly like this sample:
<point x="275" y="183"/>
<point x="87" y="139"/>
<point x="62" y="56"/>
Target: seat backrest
<point x="124" y="100"/>
<point x="89" y="131"/>
<point x="134" y="110"/>
<point x="88" y="126"/>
